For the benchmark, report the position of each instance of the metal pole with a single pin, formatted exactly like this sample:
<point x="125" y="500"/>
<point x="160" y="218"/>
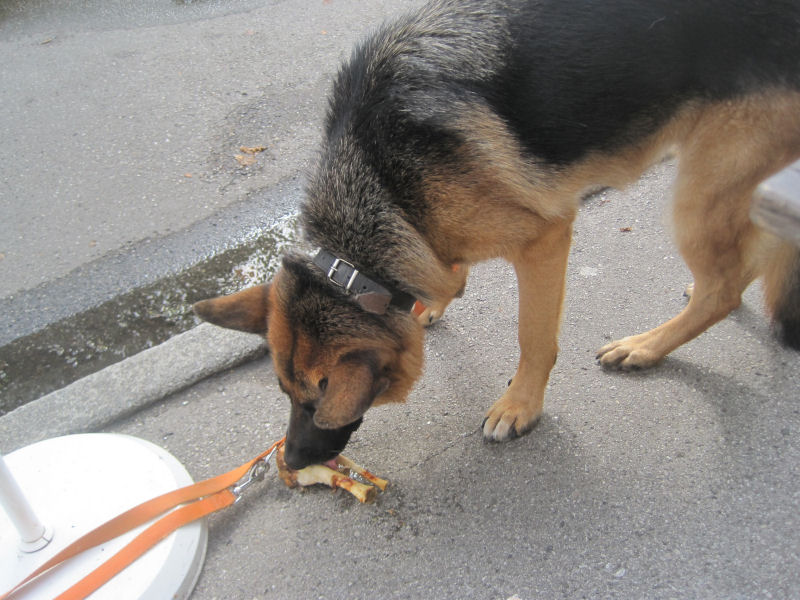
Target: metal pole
<point x="32" y="532"/>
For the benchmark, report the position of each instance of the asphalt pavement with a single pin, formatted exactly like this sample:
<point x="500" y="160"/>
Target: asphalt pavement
<point x="122" y="121"/>
<point x="677" y="482"/>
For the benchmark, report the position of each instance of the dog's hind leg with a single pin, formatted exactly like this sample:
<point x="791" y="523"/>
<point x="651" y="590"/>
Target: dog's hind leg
<point x="718" y="285"/>
<point x="731" y="151"/>
<point x="540" y="268"/>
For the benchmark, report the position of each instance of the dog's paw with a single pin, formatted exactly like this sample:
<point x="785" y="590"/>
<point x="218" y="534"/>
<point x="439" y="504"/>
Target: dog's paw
<point x="627" y="354"/>
<point x="429" y="316"/>
<point x="510" y="417"/>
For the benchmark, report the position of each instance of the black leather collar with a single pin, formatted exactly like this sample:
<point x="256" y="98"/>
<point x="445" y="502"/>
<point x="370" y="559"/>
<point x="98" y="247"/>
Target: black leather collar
<point x="368" y="293"/>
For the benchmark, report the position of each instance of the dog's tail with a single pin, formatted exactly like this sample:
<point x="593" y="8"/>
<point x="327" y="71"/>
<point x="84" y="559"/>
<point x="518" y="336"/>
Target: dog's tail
<point x="782" y="293"/>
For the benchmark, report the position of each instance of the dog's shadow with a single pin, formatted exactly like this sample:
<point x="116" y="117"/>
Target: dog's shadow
<point x="740" y="408"/>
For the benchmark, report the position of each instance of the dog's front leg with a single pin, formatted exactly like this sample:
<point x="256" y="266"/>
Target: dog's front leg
<point x="540" y="267"/>
<point x="458" y="281"/>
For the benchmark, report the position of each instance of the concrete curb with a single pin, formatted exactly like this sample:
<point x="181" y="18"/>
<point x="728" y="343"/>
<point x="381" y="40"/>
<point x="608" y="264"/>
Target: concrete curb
<point x="126" y="387"/>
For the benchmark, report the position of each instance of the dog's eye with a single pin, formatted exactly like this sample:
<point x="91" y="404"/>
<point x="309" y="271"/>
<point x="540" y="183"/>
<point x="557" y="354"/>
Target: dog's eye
<point x="323" y="384"/>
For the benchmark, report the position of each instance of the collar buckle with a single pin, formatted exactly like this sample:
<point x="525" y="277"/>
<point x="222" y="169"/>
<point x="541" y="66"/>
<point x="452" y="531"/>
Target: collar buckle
<point x="369" y="294"/>
<point x="338" y="262"/>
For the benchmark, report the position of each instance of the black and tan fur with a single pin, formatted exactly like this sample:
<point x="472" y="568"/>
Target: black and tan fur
<point x="471" y="129"/>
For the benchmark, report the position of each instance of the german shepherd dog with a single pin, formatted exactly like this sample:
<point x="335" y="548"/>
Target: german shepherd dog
<point x="471" y="129"/>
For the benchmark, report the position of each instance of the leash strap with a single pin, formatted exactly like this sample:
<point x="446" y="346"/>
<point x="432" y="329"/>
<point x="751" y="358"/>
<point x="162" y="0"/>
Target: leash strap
<point x="204" y="498"/>
<point x="146" y="540"/>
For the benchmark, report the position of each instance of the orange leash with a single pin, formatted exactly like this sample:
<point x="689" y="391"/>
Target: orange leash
<point x="203" y="498"/>
<point x="146" y="540"/>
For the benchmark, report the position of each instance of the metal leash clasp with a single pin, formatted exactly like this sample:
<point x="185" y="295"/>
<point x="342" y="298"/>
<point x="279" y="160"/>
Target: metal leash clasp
<point x="256" y="473"/>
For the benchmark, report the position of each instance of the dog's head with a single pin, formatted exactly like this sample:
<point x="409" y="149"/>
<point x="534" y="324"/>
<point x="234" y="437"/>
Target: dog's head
<point x="333" y="359"/>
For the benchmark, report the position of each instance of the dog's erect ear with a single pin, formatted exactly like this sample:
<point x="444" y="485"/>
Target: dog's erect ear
<point x="350" y="389"/>
<point x="246" y="310"/>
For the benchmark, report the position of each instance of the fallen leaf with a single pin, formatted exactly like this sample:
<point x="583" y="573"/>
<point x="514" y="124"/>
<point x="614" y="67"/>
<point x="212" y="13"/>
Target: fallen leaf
<point x="187" y="175"/>
<point x="252" y="149"/>
<point x="245" y="161"/>
<point x="2" y="256"/>
<point x="626" y="229"/>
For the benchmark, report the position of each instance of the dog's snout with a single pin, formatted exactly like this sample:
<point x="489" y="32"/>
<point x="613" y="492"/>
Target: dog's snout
<point x="294" y="457"/>
<point x="307" y="444"/>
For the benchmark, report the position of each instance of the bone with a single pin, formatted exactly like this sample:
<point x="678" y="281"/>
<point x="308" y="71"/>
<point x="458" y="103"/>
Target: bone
<point x="346" y="463"/>
<point x="315" y="474"/>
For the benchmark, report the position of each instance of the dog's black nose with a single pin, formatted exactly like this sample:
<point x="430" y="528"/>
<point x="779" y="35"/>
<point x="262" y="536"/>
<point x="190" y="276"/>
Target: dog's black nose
<point x="307" y="444"/>
<point x="297" y="457"/>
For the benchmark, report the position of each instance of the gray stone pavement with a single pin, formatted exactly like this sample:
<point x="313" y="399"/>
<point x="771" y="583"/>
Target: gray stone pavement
<point x="679" y="482"/>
